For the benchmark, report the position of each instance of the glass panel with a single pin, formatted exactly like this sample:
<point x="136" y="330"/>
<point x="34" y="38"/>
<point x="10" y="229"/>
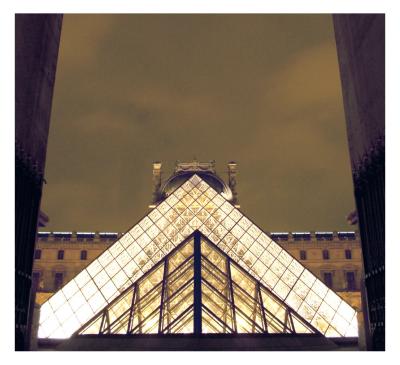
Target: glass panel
<point x="278" y="268"/>
<point x="146" y="223"/>
<point x="126" y="240"/>
<point x="45" y="312"/>
<point x="155" y="215"/>
<point x="120" y="280"/>
<point x="83" y="313"/>
<point x="254" y="231"/>
<point x="319" y="323"/>
<point x="213" y="255"/>
<point x="273" y="306"/>
<point x="228" y="223"/>
<point x="82" y="278"/>
<point x="289" y="278"/>
<point x="133" y="249"/>
<point x="137" y="231"/>
<point x="281" y="289"/>
<point x="123" y="259"/>
<point x="306" y="311"/>
<point x="70" y="289"/>
<point x="116" y="249"/>
<point x="259" y="269"/>
<point x="320" y="288"/>
<point x="300" y="326"/>
<point x="296" y="268"/>
<point x="218" y="306"/>
<point x="94" y="268"/>
<point x="64" y="312"/>
<point x="285" y="258"/>
<point x="77" y="301"/>
<point x="339" y="324"/>
<point x="307" y="278"/>
<point x="294" y="300"/>
<point x="57" y="300"/>
<point x="172" y="200"/>
<point x="93" y="328"/>
<point x="266" y="258"/>
<point x="301" y="289"/>
<point x="256" y="249"/>
<point x="245" y="223"/>
<point x="313" y="300"/>
<point x="346" y="311"/>
<point x="112" y="268"/>
<point x="270" y="279"/>
<point x="247" y="240"/>
<point x="101" y="278"/>
<point x="332" y="299"/>
<point x="120" y="306"/>
<point x="96" y="302"/>
<point x="162" y="223"/>
<point x="143" y="240"/>
<point x="109" y="291"/>
<point x="274" y="249"/>
<point x="249" y="259"/>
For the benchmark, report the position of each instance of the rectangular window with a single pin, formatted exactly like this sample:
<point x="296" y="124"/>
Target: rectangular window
<point x="38" y="254"/>
<point x="84" y="255"/>
<point x="328" y="279"/>
<point x="60" y="255"/>
<point x="58" y="280"/>
<point x="351" y="280"/>
<point x="348" y="254"/>
<point x="325" y="254"/>
<point x="303" y="255"/>
<point x="35" y="280"/>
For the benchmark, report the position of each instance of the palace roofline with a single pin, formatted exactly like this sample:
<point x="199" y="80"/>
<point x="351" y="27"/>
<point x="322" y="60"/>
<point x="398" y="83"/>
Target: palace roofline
<point x="280" y="236"/>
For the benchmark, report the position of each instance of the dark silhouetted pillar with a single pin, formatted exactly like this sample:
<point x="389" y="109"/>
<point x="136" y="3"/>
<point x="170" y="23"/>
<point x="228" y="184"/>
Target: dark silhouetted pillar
<point x="37" y="39"/>
<point x="360" y="40"/>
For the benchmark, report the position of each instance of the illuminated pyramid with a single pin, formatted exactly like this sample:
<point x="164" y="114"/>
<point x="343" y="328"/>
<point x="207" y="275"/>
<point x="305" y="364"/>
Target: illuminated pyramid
<point x="108" y="285"/>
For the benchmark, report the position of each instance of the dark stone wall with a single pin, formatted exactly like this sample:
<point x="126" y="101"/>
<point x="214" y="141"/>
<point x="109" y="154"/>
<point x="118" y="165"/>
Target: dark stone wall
<point x="37" y="39"/>
<point x="360" y="40"/>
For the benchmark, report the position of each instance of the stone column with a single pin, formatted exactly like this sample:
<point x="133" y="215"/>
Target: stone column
<point x="360" y="41"/>
<point x="156" y="183"/>
<point x="232" y="170"/>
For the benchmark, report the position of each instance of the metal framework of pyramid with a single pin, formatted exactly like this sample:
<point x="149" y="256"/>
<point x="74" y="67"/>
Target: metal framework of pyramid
<point x="195" y="206"/>
<point x="197" y="289"/>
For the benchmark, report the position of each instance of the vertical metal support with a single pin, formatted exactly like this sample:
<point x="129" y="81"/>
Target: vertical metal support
<point x="286" y="321"/>
<point x="291" y="320"/>
<point x="131" y="310"/>
<point x="164" y="286"/>
<point x="103" y="319"/>
<point x="138" y="309"/>
<point x="197" y="325"/>
<point x="228" y="270"/>
<point x="108" y="321"/>
<point x="265" y="323"/>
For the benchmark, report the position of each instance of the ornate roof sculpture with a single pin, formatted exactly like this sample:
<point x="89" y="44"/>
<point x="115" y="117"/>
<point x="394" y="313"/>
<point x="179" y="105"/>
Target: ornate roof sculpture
<point x="134" y="258"/>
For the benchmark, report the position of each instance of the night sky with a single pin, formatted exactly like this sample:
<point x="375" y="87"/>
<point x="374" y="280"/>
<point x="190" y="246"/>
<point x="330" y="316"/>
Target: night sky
<point x="263" y="90"/>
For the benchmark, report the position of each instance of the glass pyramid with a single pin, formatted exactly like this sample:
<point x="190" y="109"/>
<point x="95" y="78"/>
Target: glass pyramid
<point x="196" y="289"/>
<point x="195" y="206"/>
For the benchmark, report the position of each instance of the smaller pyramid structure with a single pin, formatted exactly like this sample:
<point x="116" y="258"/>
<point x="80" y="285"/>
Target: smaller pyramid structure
<point x="174" y="298"/>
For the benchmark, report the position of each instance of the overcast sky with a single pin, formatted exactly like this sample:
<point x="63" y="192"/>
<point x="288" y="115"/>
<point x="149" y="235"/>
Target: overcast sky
<point x="263" y="90"/>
